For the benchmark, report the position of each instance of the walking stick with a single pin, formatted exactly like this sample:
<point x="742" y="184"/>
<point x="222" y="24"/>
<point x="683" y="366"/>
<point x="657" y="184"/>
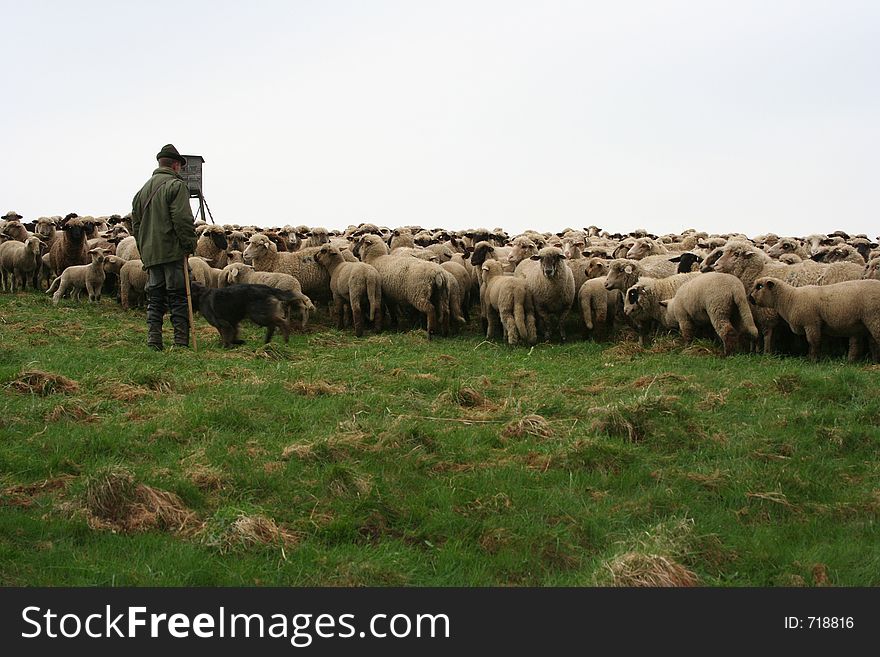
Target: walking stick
<point x="189" y="303"/>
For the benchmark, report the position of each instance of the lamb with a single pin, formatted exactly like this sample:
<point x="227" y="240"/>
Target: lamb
<point x="872" y="269"/>
<point x="551" y="283"/>
<point x="465" y="285"/>
<point x="204" y="273"/>
<point x="72" y="247"/>
<point x="848" y="309"/>
<point x="89" y="277"/>
<point x="521" y="248"/>
<point x="18" y="262"/>
<point x="14" y="230"/>
<point x="401" y="237"/>
<point x="264" y="256"/>
<point x="233" y="257"/>
<point x="623" y="273"/>
<point x="238" y="273"/>
<point x="132" y="281"/>
<point x="405" y="280"/>
<point x="212" y="246"/>
<point x="127" y="249"/>
<point x="352" y="284"/>
<point x="791" y="259"/>
<point x="716" y="299"/>
<point x="597" y="268"/>
<point x="641" y="303"/>
<point x="507" y="298"/>
<point x="46" y="230"/>
<point x="598" y="307"/>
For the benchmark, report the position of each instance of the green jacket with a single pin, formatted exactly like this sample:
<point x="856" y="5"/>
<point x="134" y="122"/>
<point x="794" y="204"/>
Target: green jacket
<point x="165" y="231"/>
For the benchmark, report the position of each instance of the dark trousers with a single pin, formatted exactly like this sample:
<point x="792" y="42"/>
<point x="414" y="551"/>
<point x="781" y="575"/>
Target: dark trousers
<point x="166" y="291"/>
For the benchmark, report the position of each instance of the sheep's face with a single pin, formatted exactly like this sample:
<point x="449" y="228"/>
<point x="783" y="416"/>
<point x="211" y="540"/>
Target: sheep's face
<point x="98" y="256"/>
<point x="45" y="227"/>
<point x="75" y="230"/>
<point x="318" y="236"/>
<point x="327" y="254"/>
<point x="482" y="252"/>
<point x="733" y="258"/>
<point x="786" y="245"/>
<point x="619" y="274"/>
<point x="872" y="269"/>
<point x="687" y="262"/>
<point x="236" y="240"/>
<point x="112" y="264"/>
<point x="596" y="267"/>
<point x="623" y="248"/>
<point x="551" y="259"/>
<point x="763" y="292"/>
<point x="640" y="249"/>
<point x="217" y="236"/>
<point x="257" y="248"/>
<point x="635" y="301"/>
<point x="711" y="259"/>
<point x="33" y="245"/>
<point x="522" y="248"/>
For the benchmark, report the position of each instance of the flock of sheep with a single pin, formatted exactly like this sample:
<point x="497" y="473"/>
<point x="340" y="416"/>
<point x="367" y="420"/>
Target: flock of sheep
<point x="757" y="293"/>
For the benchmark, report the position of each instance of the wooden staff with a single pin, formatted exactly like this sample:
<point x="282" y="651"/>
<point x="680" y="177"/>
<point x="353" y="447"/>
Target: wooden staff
<point x="189" y="304"/>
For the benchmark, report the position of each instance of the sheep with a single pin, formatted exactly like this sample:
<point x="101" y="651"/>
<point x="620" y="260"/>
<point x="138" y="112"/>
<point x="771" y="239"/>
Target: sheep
<point x="645" y="246"/>
<point x="641" y="302"/>
<point x="264" y="256"/>
<point x="203" y="272"/>
<point x="687" y="262"/>
<point x="716" y="299"/>
<point x="46" y="230"/>
<point x="89" y="277"/>
<point x="352" y="284"/>
<point x="872" y="269"/>
<point x="410" y="281"/>
<point x="237" y="273"/>
<point x="623" y="273"/>
<point x="401" y="237"/>
<point x="233" y="257"/>
<point x="788" y="245"/>
<point x="790" y="259"/>
<point x="14" y="230"/>
<point x="838" y="253"/>
<point x="132" y="281"/>
<point x="521" y="248"/>
<point x="212" y="245"/>
<point x="18" y="262"/>
<point x="507" y="298"/>
<point x="316" y="237"/>
<point x="598" y="307"/>
<point x="597" y="268"/>
<point x="465" y="285"/>
<point x="551" y="283"/>
<point x="847" y="309"/>
<point x="864" y="246"/>
<point x="72" y="247"/>
<point x="127" y="249"/>
<point x="236" y="240"/>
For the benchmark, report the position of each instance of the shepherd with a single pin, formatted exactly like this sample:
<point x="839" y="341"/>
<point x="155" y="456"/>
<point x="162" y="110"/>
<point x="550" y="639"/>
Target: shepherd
<point x="164" y="229"/>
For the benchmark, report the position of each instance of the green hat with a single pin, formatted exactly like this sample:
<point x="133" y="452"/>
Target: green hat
<point x="171" y="153"/>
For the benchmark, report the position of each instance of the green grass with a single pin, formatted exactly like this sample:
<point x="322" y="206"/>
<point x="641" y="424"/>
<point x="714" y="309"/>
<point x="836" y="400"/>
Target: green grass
<point x="389" y="460"/>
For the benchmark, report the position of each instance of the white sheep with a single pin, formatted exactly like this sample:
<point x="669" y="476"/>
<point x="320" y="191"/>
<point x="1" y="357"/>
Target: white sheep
<point x="81" y="277"/>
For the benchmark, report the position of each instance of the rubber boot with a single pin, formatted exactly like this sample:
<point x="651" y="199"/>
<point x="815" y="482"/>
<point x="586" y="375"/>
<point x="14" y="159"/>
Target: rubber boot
<point x="179" y="318"/>
<point x="156" y="305"/>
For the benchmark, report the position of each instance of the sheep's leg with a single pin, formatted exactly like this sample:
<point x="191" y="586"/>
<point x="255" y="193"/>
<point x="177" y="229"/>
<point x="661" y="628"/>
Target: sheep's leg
<point x="509" y="324"/>
<point x="62" y="288"/>
<point x="90" y="288"/>
<point x="874" y="341"/>
<point x="855" y="348"/>
<point x="357" y="318"/>
<point x="491" y="323"/>
<point x="544" y="318"/>
<point x="814" y="339"/>
<point x="339" y="308"/>
<point x="768" y="340"/>
<point x="270" y="331"/>
<point x="562" y="317"/>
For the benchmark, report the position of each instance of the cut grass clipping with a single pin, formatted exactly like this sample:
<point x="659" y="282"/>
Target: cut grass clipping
<point x="233" y="529"/>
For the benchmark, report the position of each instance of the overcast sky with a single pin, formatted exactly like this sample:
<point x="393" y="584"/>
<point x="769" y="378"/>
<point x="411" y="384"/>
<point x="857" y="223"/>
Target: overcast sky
<point x="741" y="115"/>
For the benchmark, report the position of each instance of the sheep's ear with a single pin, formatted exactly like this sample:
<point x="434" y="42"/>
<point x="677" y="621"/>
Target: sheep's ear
<point x="664" y="303"/>
<point x="675" y="259"/>
<point x="585" y="253"/>
<point x="628" y="269"/>
<point x="770" y="285"/>
<point x="534" y="257"/>
<point x="485" y="266"/>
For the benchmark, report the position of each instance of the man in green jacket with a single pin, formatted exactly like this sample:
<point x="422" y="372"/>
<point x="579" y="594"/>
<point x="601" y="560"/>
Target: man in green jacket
<point x="163" y="228"/>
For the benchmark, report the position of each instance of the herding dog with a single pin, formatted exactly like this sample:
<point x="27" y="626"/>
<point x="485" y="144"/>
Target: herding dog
<point x="225" y="308"/>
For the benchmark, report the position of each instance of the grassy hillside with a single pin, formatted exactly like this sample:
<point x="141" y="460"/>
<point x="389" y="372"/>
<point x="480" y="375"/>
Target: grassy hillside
<point x="391" y="460"/>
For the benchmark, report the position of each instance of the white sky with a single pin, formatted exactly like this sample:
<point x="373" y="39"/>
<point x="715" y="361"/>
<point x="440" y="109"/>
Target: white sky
<point x="740" y="115"/>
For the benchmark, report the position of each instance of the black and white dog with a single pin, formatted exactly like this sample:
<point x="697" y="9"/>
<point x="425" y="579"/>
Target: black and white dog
<point x="224" y="309"/>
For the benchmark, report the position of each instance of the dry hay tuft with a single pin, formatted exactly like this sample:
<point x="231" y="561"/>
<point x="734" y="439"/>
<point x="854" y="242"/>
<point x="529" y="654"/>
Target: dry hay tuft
<point x="624" y="350"/>
<point x="468" y="397"/>
<point x="820" y="575"/>
<point x="244" y="530"/>
<point x="492" y="541"/>
<point x="72" y="411"/>
<point x="43" y="383"/>
<point x="23" y="495"/>
<point x="425" y="377"/>
<point x="640" y="569"/>
<point x="315" y="388"/>
<point x="126" y="393"/>
<point x="648" y="381"/>
<point x="712" y="481"/>
<point x="529" y="425"/>
<point x="302" y="451"/>
<point x="206" y="477"/>
<point x="632" y="420"/>
<point x="114" y="500"/>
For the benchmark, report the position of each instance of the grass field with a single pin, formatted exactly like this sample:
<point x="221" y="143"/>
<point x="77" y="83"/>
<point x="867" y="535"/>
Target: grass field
<point x="391" y="460"/>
